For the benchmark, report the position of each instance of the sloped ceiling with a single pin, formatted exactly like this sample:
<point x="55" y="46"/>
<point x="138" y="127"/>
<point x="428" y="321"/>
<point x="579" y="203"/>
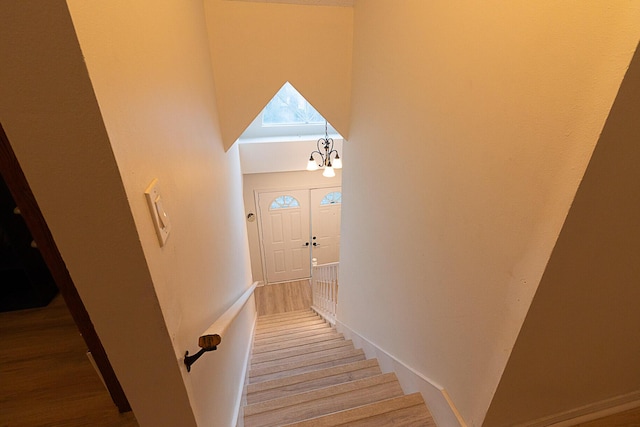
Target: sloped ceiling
<point x="257" y="47"/>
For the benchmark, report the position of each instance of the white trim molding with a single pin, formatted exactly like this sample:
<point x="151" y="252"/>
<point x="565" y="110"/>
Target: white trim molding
<point x="589" y="412"/>
<point x="436" y="397"/>
<point x="241" y="399"/>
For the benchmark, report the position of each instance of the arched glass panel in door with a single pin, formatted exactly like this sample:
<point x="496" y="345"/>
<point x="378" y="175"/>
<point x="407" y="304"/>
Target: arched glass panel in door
<point x="284" y="202"/>
<point x="332" y="198"/>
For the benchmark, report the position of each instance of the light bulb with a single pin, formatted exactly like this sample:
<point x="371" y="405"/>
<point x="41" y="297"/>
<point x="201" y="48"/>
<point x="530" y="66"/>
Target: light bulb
<point x="312" y="165"/>
<point x="329" y="172"/>
<point x="337" y="162"/>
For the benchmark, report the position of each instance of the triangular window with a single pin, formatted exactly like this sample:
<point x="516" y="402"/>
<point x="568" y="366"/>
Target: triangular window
<point x="288" y="107"/>
<point x="287" y="115"/>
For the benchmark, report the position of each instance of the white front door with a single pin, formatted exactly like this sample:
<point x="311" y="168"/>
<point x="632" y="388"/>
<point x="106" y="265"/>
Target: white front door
<point x="284" y="217"/>
<point x="326" y="206"/>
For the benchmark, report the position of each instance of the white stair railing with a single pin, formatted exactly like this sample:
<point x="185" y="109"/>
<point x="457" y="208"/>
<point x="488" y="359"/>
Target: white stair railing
<point x="324" y="289"/>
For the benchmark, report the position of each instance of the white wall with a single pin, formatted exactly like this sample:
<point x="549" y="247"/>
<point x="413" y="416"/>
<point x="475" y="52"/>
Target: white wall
<point x="53" y="123"/>
<point x="283" y="155"/>
<point x="90" y="137"/>
<point x="151" y="71"/>
<point x="484" y="118"/>
<point x="276" y="181"/>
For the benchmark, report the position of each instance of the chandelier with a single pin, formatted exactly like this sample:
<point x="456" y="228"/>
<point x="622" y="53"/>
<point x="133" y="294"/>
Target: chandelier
<point x="325" y="151"/>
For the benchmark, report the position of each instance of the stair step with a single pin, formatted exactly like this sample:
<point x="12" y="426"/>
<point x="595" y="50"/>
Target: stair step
<point x="288" y="315"/>
<point x="299" y="407"/>
<point x="267" y="390"/>
<point x="319" y="353"/>
<point x="303" y="373"/>
<point x="404" y="411"/>
<point x="294" y="336"/>
<point x="292" y="329"/>
<point x="311" y="364"/>
<point x="283" y="323"/>
<point x="298" y="350"/>
<point x="274" y="350"/>
<point x="318" y="336"/>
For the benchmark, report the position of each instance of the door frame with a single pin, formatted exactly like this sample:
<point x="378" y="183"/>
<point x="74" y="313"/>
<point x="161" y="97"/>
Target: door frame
<point x="16" y="181"/>
<point x="256" y="201"/>
<point x="263" y="252"/>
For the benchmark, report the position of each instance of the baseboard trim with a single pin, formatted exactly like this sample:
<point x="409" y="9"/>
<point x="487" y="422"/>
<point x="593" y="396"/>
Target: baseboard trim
<point x="589" y="412"/>
<point x="436" y="397"/>
<point x="241" y="398"/>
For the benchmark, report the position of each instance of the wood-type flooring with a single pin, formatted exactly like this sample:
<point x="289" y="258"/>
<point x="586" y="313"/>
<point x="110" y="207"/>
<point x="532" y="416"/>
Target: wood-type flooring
<point x="304" y="373"/>
<point x="46" y="378"/>
<point x="283" y="297"/>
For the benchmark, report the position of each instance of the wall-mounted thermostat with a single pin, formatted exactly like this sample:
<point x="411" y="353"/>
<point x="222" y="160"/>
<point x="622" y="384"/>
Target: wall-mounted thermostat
<point x="159" y="215"/>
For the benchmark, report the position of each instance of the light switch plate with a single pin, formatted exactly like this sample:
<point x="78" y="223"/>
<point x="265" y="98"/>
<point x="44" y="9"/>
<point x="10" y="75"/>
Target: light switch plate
<point x="161" y="220"/>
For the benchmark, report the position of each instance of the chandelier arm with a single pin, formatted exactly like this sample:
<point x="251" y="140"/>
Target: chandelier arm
<point x="321" y="157"/>
<point x="324" y="145"/>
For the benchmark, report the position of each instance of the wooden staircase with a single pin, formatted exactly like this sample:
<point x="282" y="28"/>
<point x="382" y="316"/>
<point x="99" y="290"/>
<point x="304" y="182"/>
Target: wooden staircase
<point x="304" y="373"/>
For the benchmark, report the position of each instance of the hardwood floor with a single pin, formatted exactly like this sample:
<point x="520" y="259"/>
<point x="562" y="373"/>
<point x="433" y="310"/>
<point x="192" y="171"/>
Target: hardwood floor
<point x="46" y="378"/>
<point x="283" y="297"/>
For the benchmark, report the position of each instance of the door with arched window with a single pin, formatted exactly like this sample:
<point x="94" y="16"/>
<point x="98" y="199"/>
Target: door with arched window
<point x="326" y="205"/>
<point x="284" y="220"/>
<point x="296" y="225"/>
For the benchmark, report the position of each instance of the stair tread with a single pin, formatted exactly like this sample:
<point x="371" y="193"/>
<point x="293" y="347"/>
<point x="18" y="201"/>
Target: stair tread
<point x="319" y="364"/>
<point x="287" y="315"/>
<point x="322" y="401"/>
<point x="296" y="328"/>
<point x="281" y="387"/>
<point x="303" y="373"/>
<point x="405" y="411"/>
<point x="301" y="352"/>
<point x="329" y="334"/>
<point x="298" y="350"/>
<point x="293" y="329"/>
<point x="287" y="323"/>
<point x="339" y="354"/>
<point x="295" y="335"/>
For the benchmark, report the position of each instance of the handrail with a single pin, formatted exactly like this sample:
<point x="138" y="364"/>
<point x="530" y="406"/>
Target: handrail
<point x="212" y="337"/>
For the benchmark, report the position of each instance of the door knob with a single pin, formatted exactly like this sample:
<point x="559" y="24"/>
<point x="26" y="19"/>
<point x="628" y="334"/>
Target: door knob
<point x="305" y="245"/>
<point x="315" y="244"/>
